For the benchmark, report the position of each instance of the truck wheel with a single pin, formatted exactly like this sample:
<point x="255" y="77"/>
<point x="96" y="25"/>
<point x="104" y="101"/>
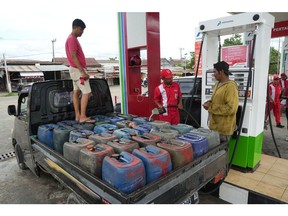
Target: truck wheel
<point x="74" y="199"/>
<point x="20" y="157"/>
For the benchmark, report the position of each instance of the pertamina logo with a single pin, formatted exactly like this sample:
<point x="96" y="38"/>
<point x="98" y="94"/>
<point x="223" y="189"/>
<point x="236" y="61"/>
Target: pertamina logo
<point x="224" y="22"/>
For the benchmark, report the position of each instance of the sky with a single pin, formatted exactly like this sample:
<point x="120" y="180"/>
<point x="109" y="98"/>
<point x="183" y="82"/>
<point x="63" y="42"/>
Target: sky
<point x="28" y="27"/>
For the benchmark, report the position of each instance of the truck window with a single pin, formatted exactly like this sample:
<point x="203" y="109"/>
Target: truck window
<point x="22" y="105"/>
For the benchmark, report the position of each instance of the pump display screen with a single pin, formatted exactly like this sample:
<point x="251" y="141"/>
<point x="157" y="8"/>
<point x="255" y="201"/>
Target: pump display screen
<point x="239" y="75"/>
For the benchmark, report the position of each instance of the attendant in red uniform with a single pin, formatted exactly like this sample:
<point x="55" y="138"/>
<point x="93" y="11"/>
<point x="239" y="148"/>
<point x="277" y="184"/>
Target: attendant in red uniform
<point x="274" y="95"/>
<point x="284" y="85"/>
<point x="169" y="96"/>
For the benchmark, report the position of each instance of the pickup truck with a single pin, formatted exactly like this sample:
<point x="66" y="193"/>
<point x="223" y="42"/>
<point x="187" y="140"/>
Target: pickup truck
<point x="51" y="102"/>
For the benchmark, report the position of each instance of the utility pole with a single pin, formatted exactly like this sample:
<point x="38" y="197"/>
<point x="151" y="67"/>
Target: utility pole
<point x="7" y="75"/>
<point x="181" y="53"/>
<point x="53" y="53"/>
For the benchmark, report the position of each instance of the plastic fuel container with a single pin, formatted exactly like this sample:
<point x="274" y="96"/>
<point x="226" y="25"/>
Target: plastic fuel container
<point x="71" y="150"/>
<point x="147" y="139"/>
<point x="212" y="136"/>
<point x="123" y="144"/>
<point x="199" y="143"/>
<point x="79" y="133"/>
<point x="182" y="128"/>
<point x="102" y="137"/>
<point x="91" y="158"/>
<point x="124" y="171"/>
<point x="181" y="152"/>
<point x="60" y="136"/>
<point x="45" y="134"/>
<point x="157" y="162"/>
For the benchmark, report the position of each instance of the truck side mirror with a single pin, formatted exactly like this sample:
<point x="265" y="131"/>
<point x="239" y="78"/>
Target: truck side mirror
<point x="12" y="110"/>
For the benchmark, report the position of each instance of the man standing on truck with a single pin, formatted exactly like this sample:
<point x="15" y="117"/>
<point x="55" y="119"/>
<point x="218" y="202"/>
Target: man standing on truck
<point x="223" y="105"/>
<point x="168" y="96"/>
<point x="78" y="73"/>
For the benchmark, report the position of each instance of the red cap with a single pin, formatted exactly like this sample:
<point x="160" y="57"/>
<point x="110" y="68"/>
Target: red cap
<point x="283" y="74"/>
<point x="275" y="77"/>
<point x="166" y="73"/>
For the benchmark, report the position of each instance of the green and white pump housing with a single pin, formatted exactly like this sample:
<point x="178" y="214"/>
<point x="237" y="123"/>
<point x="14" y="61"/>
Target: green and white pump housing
<point x="249" y="149"/>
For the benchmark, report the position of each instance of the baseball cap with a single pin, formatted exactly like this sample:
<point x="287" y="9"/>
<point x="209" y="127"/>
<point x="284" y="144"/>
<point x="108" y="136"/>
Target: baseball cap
<point x="283" y="74"/>
<point x="166" y="73"/>
<point x="275" y="77"/>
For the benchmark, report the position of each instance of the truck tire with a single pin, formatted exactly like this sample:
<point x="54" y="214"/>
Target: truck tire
<point x="20" y="157"/>
<point x="75" y="199"/>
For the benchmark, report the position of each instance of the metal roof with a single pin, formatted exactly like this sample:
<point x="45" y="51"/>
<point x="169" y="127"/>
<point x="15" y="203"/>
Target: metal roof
<point x="30" y="74"/>
<point x="46" y="68"/>
<point x="23" y="68"/>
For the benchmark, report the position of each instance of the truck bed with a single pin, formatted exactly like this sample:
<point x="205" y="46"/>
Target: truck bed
<point x="174" y="187"/>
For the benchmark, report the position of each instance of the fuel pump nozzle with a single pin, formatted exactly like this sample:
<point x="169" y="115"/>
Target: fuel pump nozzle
<point x="157" y="111"/>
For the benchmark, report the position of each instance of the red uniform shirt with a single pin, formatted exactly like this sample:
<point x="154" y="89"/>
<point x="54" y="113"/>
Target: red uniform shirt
<point x="169" y="97"/>
<point x="72" y="44"/>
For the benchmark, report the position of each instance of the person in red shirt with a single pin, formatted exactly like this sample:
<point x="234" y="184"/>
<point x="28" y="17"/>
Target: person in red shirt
<point x="168" y="95"/>
<point x="77" y="70"/>
<point x="274" y="90"/>
<point x="284" y="85"/>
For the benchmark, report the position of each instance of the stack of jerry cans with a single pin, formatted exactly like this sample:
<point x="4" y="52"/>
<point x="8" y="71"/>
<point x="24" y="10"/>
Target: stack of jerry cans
<point x="127" y="117"/>
<point x="67" y="123"/>
<point x="149" y="127"/>
<point x="113" y="120"/>
<point x="182" y="128"/>
<point x="71" y="149"/>
<point x="79" y="133"/>
<point x="199" y="143"/>
<point x="166" y="134"/>
<point x="141" y="130"/>
<point x="157" y="162"/>
<point x="60" y="136"/>
<point x="212" y="136"/>
<point x="140" y="120"/>
<point x="125" y="124"/>
<point x="125" y="133"/>
<point x="45" y="134"/>
<point x="85" y="126"/>
<point x="102" y="137"/>
<point x="123" y="144"/>
<point x="108" y="128"/>
<point x="91" y="158"/>
<point x="146" y="139"/>
<point x="181" y="152"/>
<point x="124" y="171"/>
<point x="160" y="124"/>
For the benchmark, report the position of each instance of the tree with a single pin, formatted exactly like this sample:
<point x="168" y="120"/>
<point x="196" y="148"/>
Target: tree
<point x="234" y="40"/>
<point x="274" y="61"/>
<point x="113" y="59"/>
<point x="191" y="60"/>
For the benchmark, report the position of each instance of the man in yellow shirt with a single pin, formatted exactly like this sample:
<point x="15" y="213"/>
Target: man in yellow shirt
<point x="223" y="104"/>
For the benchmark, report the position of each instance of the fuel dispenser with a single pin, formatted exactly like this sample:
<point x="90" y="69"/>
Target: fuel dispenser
<point x="248" y="152"/>
<point x="139" y="35"/>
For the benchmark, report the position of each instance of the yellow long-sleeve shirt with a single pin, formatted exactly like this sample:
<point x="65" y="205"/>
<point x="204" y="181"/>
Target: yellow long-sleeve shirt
<point x="223" y="108"/>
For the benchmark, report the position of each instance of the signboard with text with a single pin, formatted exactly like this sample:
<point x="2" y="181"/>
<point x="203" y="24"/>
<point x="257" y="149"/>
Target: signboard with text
<point x="234" y="55"/>
<point x="280" y="29"/>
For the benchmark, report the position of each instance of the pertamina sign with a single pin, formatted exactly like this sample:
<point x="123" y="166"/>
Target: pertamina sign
<point x="280" y="29"/>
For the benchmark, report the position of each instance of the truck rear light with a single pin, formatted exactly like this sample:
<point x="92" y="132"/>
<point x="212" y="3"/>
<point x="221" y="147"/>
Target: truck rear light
<point x="221" y="174"/>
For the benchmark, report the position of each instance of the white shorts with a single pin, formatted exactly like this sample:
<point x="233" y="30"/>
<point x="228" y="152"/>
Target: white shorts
<point x="75" y="75"/>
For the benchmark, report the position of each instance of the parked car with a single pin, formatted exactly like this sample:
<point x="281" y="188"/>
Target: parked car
<point x="191" y="113"/>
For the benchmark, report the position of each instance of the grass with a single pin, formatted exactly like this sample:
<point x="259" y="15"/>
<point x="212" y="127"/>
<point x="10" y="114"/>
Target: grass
<point x="5" y="94"/>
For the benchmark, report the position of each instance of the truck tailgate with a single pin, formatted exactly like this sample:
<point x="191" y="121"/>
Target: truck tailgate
<point x="175" y="187"/>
